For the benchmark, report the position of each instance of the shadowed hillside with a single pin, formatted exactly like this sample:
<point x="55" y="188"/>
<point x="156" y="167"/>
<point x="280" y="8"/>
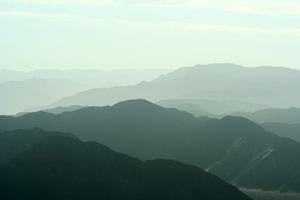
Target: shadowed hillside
<point x="236" y="149"/>
<point x="15" y="142"/>
<point x="60" y="167"/>
<point x="246" y="155"/>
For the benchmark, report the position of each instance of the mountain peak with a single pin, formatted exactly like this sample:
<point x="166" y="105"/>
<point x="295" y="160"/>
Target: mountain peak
<point x="137" y="103"/>
<point x="222" y="65"/>
<point x="241" y="122"/>
<point x="237" y="126"/>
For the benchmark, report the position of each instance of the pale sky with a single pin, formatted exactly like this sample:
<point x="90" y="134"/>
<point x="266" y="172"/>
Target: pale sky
<point x="121" y="34"/>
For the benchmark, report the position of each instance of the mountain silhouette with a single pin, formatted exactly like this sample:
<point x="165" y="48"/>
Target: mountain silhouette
<point x="244" y="154"/>
<point x="90" y="77"/>
<point x="60" y="167"/>
<point x="284" y="130"/>
<point x="57" y="110"/>
<point x="234" y="148"/>
<point x="136" y="127"/>
<point x="211" y="108"/>
<point x="282" y="122"/>
<point x="270" y="115"/>
<point x="17" y="141"/>
<point x="271" y="86"/>
<point x="17" y="96"/>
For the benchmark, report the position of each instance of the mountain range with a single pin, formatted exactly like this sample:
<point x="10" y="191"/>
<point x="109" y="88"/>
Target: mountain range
<point x="282" y="122"/>
<point x="273" y="115"/>
<point x="15" y="142"/>
<point x="89" y="78"/>
<point x="239" y="151"/>
<point x="59" y="166"/>
<point x="17" y="96"/>
<point x="210" y="108"/>
<point x="270" y="86"/>
<point x="284" y="130"/>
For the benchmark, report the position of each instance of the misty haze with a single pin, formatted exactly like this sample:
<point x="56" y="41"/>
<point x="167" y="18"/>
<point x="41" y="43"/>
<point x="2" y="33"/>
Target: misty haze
<point x="149" y="100"/>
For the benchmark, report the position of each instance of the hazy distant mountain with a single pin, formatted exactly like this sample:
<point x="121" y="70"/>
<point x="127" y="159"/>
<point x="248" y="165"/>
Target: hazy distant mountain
<point x="272" y="86"/>
<point x="284" y="130"/>
<point x="9" y="75"/>
<point x="230" y="81"/>
<point x="194" y="109"/>
<point x="234" y="148"/>
<point x="66" y="168"/>
<point x="18" y="96"/>
<point x="60" y="110"/>
<point x="290" y="115"/>
<point x="282" y="122"/>
<point x="212" y="108"/>
<point x="90" y="78"/>
<point x="57" y="110"/>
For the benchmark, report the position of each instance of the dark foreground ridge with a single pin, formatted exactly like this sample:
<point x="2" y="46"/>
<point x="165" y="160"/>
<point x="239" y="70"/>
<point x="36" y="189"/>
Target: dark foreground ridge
<point x="63" y="168"/>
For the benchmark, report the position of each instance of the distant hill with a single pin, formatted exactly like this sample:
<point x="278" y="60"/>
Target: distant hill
<point x="57" y="110"/>
<point x="211" y="108"/>
<point x="271" y="86"/>
<point x="90" y="78"/>
<point x="60" y="110"/>
<point x="282" y="122"/>
<point x="60" y="167"/>
<point x="236" y="149"/>
<point x="284" y="130"/>
<point x="270" y="115"/>
<point x="10" y="75"/>
<point x="18" y="96"/>
<point x="192" y="108"/>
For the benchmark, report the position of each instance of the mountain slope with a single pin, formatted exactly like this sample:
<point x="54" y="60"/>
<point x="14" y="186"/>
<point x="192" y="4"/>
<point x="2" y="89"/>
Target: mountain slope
<point x="57" y="110"/>
<point x="244" y="154"/>
<point x="284" y="130"/>
<point x="272" y="86"/>
<point x="290" y="115"/>
<point x="15" y="142"/>
<point x="137" y="127"/>
<point x="91" y="78"/>
<point x="66" y="168"/>
<point x="234" y="148"/>
<point x="211" y="108"/>
<point x="17" y="96"/>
